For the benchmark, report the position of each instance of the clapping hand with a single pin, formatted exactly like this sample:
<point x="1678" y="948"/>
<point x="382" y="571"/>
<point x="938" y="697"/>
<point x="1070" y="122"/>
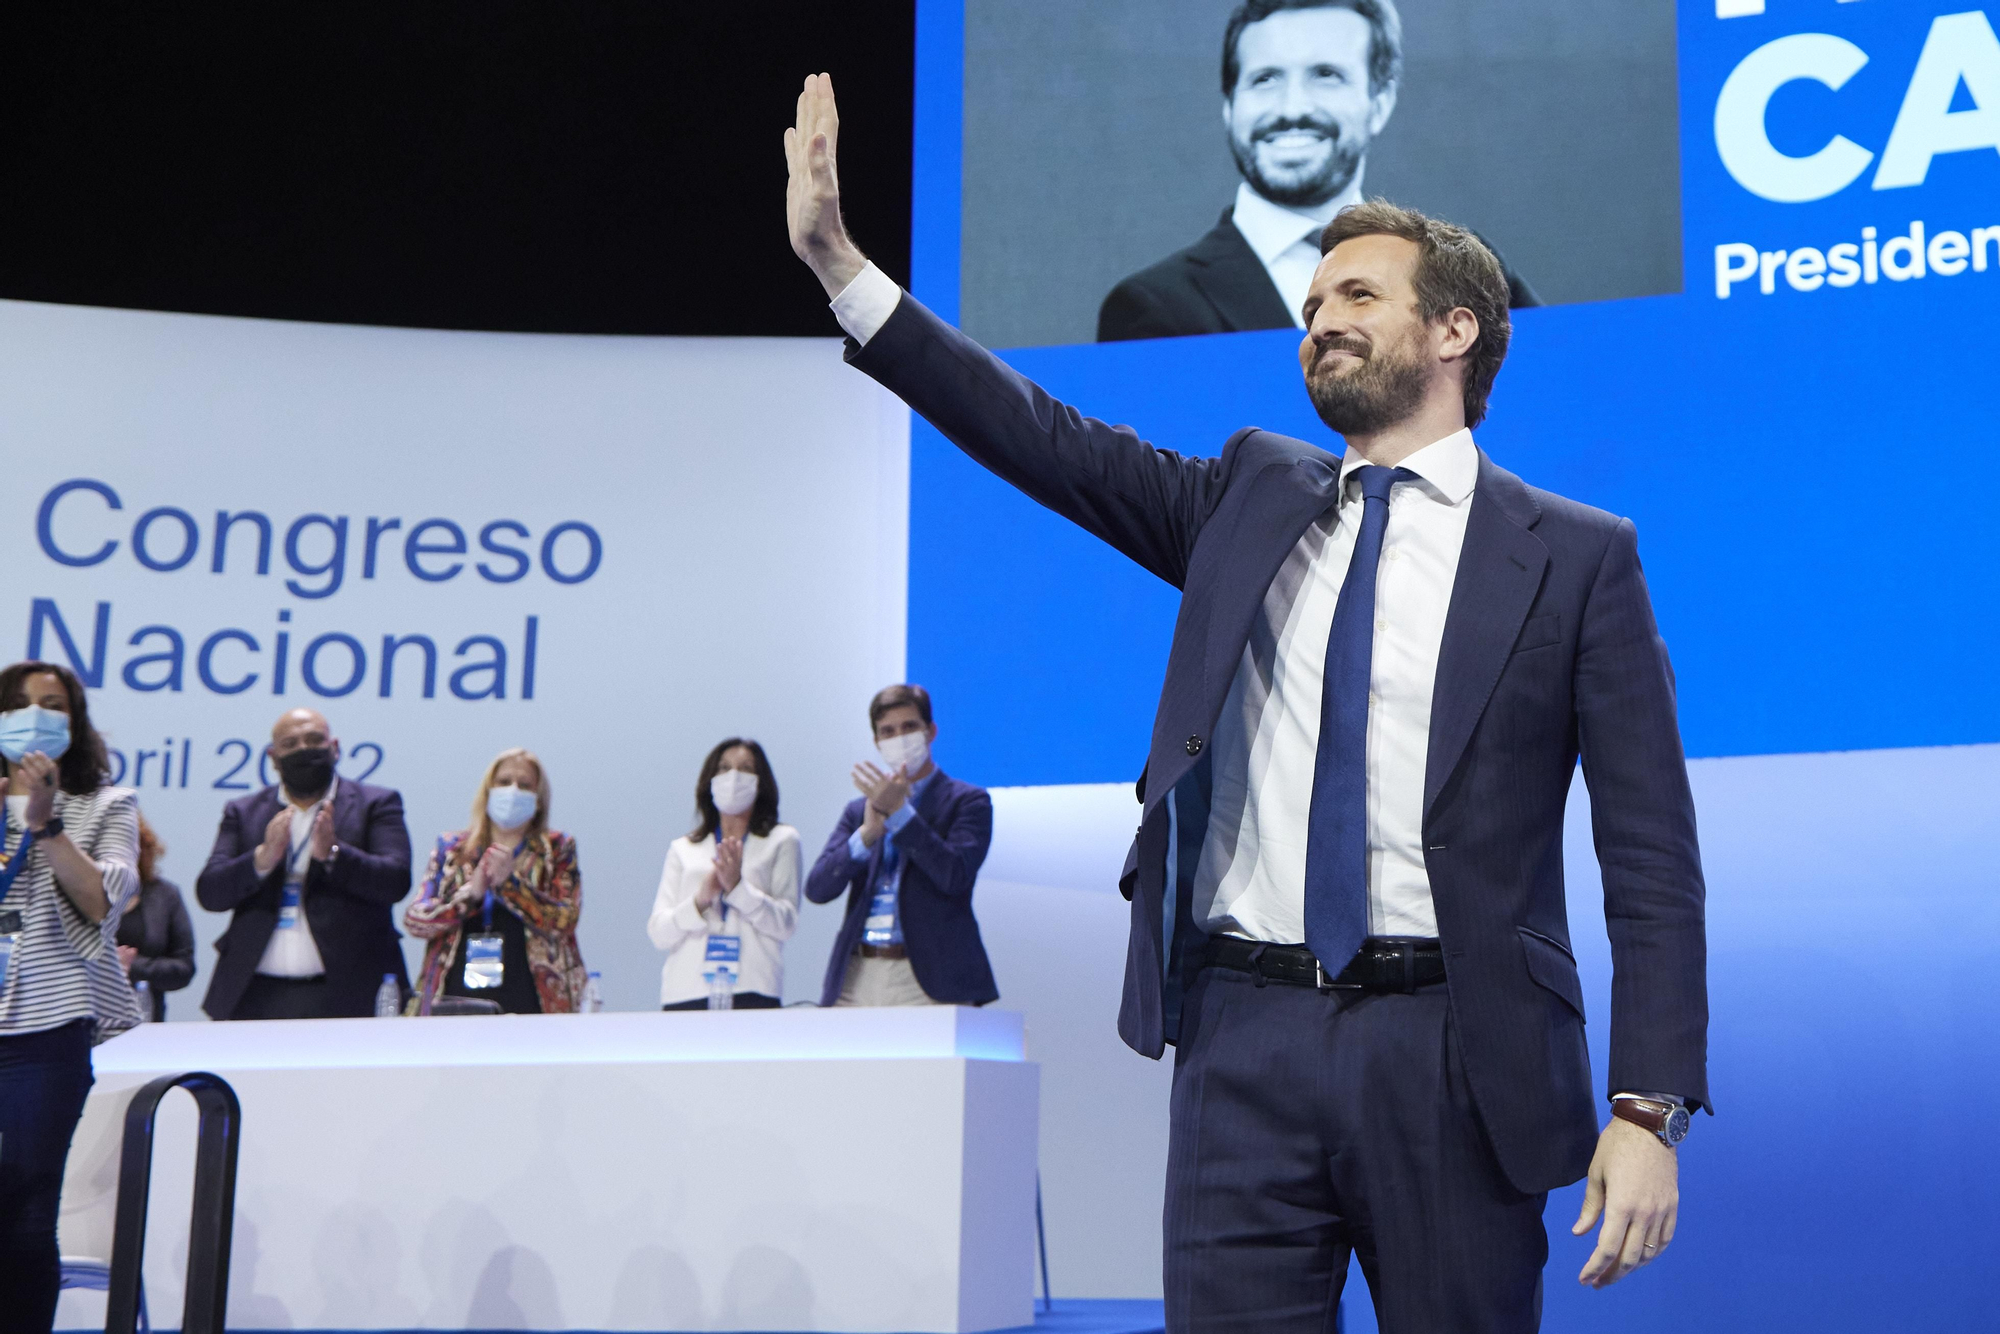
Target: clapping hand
<point x="277" y="843"/>
<point x="322" y="833"/>
<point x="728" y="863"/>
<point x="496" y="867"/>
<point x="886" y="792"/>
<point x="36" y="774"/>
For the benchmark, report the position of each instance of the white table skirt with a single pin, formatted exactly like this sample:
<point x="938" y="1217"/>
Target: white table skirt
<point x="800" y="1169"/>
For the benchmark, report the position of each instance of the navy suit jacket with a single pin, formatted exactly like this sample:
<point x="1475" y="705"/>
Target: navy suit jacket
<point x="1550" y="652"/>
<point x="942" y="848"/>
<point x="347" y="905"/>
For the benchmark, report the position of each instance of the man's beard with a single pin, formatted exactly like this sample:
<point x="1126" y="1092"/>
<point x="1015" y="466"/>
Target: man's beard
<point x="1386" y="388"/>
<point x="1343" y="160"/>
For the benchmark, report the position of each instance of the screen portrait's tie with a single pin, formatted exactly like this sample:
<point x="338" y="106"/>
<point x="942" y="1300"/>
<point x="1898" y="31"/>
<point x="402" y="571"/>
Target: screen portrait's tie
<point x="1337" y="832"/>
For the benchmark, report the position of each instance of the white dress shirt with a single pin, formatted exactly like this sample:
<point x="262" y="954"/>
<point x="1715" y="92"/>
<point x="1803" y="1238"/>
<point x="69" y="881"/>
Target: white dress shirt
<point x="1251" y="878"/>
<point x="763" y="910"/>
<point x="866" y="303"/>
<point x="293" y="952"/>
<point x="1287" y="239"/>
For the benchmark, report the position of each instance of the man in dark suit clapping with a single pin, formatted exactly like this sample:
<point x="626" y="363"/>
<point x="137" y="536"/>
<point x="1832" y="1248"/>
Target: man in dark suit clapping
<point x="308" y="869"/>
<point x="1347" y="884"/>
<point x="906" y="853"/>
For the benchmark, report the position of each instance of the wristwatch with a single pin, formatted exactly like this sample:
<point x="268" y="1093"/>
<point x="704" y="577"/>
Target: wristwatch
<point x="52" y="829"/>
<point x="1668" y="1121"/>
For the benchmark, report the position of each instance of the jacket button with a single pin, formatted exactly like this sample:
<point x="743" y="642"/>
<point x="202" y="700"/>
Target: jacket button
<point x="1194" y="745"/>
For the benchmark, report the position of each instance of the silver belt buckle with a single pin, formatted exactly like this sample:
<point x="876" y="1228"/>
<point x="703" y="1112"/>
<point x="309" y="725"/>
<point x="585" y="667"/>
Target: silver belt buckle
<point x="1325" y="983"/>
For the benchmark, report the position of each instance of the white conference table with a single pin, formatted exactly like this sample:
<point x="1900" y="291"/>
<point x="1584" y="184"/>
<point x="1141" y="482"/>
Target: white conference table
<point x="798" y="1169"/>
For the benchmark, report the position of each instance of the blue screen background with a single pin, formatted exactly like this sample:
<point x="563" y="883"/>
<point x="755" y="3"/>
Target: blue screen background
<point x="1808" y="472"/>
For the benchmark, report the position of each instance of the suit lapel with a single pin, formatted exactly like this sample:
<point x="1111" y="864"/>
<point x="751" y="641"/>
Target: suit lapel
<point x="346" y="813"/>
<point x="1275" y="512"/>
<point x="932" y="800"/>
<point x="1500" y="571"/>
<point x="1235" y="281"/>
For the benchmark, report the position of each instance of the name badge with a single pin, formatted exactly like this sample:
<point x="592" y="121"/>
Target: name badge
<point x="483" y="967"/>
<point x="10" y="935"/>
<point x="723" y="955"/>
<point x="880" y="926"/>
<point x="288" y="909"/>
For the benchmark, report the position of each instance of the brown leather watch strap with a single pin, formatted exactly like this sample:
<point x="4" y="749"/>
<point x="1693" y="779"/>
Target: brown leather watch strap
<point x="1649" y="1115"/>
<point x="1643" y="1112"/>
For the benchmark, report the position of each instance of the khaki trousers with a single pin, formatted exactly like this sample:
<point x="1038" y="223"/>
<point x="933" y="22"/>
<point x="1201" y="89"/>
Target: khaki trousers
<point x="881" y="982"/>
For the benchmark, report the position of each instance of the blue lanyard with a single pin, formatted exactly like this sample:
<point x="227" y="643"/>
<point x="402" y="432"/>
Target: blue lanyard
<point x="16" y="862"/>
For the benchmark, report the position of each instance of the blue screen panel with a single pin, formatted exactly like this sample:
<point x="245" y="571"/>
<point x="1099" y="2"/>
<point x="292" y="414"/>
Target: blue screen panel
<point x="1807" y="466"/>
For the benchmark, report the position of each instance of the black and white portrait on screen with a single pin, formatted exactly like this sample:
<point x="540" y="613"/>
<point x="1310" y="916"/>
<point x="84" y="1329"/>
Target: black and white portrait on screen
<point x="1105" y="199"/>
<point x="1306" y="87"/>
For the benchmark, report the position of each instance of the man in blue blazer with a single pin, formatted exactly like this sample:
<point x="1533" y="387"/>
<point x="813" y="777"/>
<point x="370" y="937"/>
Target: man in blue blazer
<point x="1347" y="896"/>
<point x="906" y="853"/>
<point x="308" y="870"/>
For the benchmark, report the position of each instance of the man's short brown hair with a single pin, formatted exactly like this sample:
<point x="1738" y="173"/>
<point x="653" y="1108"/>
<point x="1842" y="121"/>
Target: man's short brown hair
<point x="895" y="697"/>
<point x="1454" y="268"/>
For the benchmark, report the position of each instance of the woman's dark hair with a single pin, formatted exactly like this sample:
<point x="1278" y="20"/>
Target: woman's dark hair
<point x="763" y="812"/>
<point x="84" y="766"/>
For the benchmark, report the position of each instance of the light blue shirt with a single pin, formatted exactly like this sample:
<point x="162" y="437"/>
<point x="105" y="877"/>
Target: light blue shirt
<point x="889" y="883"/>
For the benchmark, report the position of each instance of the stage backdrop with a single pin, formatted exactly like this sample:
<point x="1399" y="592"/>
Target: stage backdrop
<point x="612" y="551"/>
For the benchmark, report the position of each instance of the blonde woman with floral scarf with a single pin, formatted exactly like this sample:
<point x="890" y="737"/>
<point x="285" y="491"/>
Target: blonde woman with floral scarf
<point x="500" y="901"/>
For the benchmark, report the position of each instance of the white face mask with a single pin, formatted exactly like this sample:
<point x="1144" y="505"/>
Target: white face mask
<point x="510" y="807"/>
<point x="733" y="791"/>
<point x="910" y="752"/>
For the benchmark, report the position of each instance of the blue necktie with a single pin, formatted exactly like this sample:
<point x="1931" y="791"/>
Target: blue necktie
<point x="1337" y="832"/>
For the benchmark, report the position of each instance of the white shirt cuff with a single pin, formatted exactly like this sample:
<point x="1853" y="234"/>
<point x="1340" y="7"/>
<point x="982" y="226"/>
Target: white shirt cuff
<point x="866" y="304"/>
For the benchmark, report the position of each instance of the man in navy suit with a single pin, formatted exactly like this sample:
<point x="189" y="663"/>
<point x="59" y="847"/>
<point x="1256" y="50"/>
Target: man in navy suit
<point x="308" y="869"/>
<point x="1347" y="896"/>
<point x="906" y="853"/>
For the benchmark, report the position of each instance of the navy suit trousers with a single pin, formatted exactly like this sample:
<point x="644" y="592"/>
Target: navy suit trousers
<point x="1310" y="1127"/>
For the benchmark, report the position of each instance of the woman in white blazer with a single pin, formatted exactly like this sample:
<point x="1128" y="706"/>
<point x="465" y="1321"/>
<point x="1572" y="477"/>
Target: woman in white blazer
<point x="729" y="895"/>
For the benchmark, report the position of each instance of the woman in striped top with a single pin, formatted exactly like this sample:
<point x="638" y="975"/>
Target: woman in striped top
<point x="70" y="848"/>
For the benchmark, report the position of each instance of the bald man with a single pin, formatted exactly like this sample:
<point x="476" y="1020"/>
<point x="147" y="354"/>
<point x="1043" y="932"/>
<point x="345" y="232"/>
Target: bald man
<point x="308" y="869"/>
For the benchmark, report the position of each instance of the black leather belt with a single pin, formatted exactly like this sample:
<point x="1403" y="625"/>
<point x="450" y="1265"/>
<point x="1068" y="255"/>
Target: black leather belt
<point x="1384" y="963"/>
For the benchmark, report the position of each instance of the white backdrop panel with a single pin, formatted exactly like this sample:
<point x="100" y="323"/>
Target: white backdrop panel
<point x="747" y="498"/>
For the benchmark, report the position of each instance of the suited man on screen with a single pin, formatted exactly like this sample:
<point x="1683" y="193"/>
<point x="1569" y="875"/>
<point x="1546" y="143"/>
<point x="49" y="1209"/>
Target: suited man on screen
<point x="1307" y="85"/>
<point x="308" y="870"/>
<point x="1347" y="895"/>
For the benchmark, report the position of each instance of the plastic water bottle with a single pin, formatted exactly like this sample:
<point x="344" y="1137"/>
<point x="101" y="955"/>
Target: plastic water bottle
<point x="388" y="998"/>
<point x="143" y="993"/>
<point x="593" y="994"/>
<point x="721" y="990"/>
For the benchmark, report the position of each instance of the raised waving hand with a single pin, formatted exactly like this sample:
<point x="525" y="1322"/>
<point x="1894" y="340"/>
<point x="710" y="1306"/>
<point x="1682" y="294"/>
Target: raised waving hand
<point x="812" y="192"/>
